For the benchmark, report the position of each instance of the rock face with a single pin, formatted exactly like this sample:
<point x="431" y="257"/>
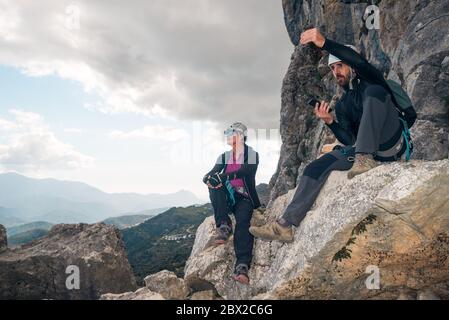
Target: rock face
<point x="411" y="46"/>
<point x="41" y="269"/>
<point x="3" y="239"/>
<point x="263" y="191"/>
<point x="394" y="218"/>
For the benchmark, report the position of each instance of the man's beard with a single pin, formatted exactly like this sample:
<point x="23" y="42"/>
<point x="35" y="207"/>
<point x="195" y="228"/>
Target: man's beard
<point x="343" y="81"/>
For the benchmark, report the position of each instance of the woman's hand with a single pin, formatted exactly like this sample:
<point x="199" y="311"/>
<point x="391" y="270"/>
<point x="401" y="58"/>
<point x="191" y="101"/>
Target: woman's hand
<point x="217" y="186"/>
<point x="312" y="35"/>
<point x="322" y="112"/>
<point x="212" y="187"/>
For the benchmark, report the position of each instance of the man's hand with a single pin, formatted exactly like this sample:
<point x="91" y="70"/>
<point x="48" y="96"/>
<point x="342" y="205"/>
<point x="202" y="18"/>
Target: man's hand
<point x="322" y="112"/>
<point x="312" y="35"/>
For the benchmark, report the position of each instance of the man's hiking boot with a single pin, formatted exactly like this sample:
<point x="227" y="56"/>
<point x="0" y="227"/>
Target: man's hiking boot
<point x="273" y="231"/>
<point x="362" y="163"/>
<point x="241" y="274"/>
<point x="258" y="218"/>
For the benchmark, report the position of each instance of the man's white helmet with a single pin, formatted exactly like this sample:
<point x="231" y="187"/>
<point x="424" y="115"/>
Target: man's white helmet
<point x="333" y="59"/>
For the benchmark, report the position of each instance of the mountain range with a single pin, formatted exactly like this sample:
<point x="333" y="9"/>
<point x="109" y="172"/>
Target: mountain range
<point x="24" y="199"/>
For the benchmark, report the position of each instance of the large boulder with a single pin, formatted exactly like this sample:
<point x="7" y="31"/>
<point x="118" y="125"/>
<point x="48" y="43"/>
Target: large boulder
<point x="411" y="46"/>
<point x="47" y="268"/>
<point x="394" y="217"/>
<point x="164" y="285"/>
<point x="168" y="285"/>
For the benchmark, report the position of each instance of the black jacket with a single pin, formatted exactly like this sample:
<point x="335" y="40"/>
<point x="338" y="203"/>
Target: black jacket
<point x="349" y="108"/>
<point x="247" y="171"/>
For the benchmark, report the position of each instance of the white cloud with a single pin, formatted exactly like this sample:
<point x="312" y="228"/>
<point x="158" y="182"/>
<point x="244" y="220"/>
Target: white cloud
<point x="9" y="21"/>
<point x="75" y="130"/>
<point x="154" y="132"/>
<point x="208" y="60"/>
<point x="31" y="146"/>
<point x="6" y="125"/>
<point x="202" y="59"/>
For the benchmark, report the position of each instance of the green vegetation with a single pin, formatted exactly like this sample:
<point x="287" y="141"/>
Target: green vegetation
<point x="42" y="225"/>
<point x="165" y="241"/>
<point x="345" y="252"/>
<point x="27" y="236"/>
<point x="123" y="222"/>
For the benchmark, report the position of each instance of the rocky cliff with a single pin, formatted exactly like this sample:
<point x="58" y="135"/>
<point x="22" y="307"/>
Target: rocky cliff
<point x="395" y="218"/>
<point x="411" y="46"/>
<point x="43" y="268"/>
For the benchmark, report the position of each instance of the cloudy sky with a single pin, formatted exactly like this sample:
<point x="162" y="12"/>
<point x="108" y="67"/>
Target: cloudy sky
<point x="134" y="96"/>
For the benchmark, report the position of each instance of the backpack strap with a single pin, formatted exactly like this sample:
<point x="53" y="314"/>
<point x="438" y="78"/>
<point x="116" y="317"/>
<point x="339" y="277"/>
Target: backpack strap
<point x="230" y="194"/>
<point x="407" y="138"/>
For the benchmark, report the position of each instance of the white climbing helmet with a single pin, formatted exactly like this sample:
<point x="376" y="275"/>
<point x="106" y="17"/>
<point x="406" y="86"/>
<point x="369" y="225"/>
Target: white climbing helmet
<point x="333" y="59"/>
<point x="236" y="127"/>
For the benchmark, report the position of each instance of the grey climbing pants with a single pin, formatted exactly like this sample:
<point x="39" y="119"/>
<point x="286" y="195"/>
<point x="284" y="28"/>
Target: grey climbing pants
<point x="379" y="129"/>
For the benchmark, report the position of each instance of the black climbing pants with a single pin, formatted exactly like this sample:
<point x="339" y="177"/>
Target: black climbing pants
<point x="242" y="210"/>
<point x="379" y="129"/>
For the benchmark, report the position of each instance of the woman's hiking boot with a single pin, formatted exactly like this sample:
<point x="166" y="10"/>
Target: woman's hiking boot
<point x="241" y="274"/>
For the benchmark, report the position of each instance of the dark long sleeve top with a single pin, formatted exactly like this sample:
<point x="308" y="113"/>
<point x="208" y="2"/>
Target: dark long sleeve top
<point x="348" y="109"/>
<point x="247" y="172"/>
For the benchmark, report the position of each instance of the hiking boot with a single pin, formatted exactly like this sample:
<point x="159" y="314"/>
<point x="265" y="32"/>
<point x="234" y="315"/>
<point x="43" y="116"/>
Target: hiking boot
<point x="223" y="234"/>
<point x="241" y="274"/>
<point x="273" y="231"/>
<point x="258" y="218"/>
<point x="362" y="163"/>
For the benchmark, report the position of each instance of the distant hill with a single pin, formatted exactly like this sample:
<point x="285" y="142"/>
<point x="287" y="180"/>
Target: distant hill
<point x="123" y="222"/>
<point x="58" y="201"/>
<point x="131" y="219"/>
<point x="27" y="236"/>
<point x="42" y="225"/>
<point x="8" y="217"/>
<point x="165" y="241"/>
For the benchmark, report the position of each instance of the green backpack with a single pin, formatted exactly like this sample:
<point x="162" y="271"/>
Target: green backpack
<point x="406" y="111"/>
<point x="403" y="102"/>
